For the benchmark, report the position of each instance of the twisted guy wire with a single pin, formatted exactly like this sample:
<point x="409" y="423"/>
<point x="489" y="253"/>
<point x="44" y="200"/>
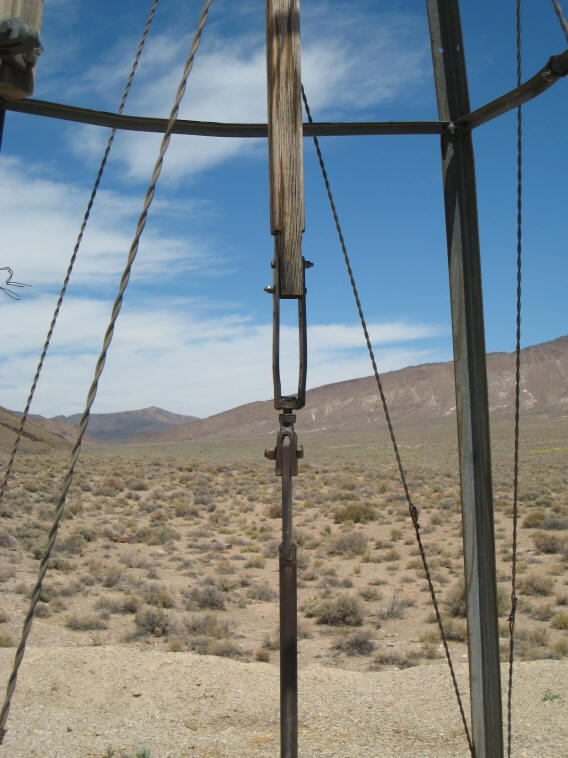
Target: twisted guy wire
<point x="412" y="508"/>
<point x="99" y="369"/>
<point x="23" y="420"/>
<point x="514" y="599"/>
<point x="563" y="22"/>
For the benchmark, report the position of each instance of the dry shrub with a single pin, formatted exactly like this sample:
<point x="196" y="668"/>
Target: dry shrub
<point x="535" y="584"/>
<point x="531" y="644"/>
<point x="547" y="543"/>
<point x="152" y="621"/>
<point x="356" y="643"/>
<point x="534" y="519"/>
<point x="158" y="535"/>
<point x="560" y="620"/>
<point x="396" y="656"/>
<point x="85" y="623"/>
<point x="226" y="649"/>
<point x="396" y="608"/>
<point x="355" y="512"/>
<point x="455" y="630"/>
<point x="155" y="594"/>
<point x="341" y="611"/>
<point x="262" y="592"/>
<point x="207" y="596"/>
<point x="208" y="625"/>
<point x="349" y="544"/>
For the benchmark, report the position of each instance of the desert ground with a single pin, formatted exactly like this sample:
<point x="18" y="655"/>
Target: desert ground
<point x="158" y="622"/>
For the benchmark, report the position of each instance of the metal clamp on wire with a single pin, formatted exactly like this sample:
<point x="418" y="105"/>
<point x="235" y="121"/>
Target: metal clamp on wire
<point x="297" y="401"/>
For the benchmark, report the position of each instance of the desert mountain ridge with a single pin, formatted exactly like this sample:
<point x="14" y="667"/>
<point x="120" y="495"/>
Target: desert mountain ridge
<point x="415" y="395"/>
<point x="116" y="427"/>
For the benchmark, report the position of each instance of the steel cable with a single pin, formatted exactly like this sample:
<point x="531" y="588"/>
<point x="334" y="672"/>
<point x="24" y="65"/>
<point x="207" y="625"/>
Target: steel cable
<point x="563" y="22"/>
<point x="87" y="213"/>
<point x="412" y="508"/>
<point x="99" y="369"/>
<point x="514" y="599"/>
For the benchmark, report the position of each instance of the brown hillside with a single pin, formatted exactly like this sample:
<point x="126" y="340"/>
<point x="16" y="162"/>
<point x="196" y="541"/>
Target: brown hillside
<point x="35" y="439"/>
<point x="417" y="394"/>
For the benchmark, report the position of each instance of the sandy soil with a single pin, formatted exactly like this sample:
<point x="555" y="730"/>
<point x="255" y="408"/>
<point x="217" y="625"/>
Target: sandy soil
<point x="86" y="702"/>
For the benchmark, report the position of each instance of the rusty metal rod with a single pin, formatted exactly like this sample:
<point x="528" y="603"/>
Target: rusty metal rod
<point x="288" y="612"/>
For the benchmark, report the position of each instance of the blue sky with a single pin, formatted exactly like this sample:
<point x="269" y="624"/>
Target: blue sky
<point x="194" y="335"/>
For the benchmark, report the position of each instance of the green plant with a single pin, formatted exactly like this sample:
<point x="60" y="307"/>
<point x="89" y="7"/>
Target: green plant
<point x="550" y="696"/>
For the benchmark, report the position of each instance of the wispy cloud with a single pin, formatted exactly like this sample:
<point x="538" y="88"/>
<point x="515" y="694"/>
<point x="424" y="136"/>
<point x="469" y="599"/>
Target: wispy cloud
<point x="181" y="356"/>
<point x="40" y="256"/>
<point x="351" y="63"/>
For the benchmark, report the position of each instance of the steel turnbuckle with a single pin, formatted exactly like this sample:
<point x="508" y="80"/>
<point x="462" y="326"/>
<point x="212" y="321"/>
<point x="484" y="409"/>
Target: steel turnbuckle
<point x="297" y="401"/>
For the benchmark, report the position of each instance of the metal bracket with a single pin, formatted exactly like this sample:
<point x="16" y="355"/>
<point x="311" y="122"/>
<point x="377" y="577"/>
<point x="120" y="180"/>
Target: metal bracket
<point x="292" y="450"/>
<point x="20" y="45"/>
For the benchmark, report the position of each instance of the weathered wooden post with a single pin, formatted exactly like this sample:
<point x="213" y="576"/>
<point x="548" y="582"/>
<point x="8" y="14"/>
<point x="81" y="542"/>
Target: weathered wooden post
<point x="285" y="142"/>
<point x="471" y="378"/>
<point x="287" y="225"/>
<point x="20" y="24"/>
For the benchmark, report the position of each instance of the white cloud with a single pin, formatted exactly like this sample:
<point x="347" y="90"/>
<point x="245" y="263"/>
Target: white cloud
<point x="351" y="62"/>
<point x="40" y="252"/>
<point x="180" y="357"/>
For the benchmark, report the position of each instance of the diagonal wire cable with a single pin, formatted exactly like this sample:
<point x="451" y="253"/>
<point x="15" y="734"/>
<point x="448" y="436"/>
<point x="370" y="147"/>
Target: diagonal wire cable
<point x="411" y="507"/>
<point x="514" y="599"/>
<point x="561" y="18"/>
<point x="99" y="369"/>
<point x="73" y="258"/>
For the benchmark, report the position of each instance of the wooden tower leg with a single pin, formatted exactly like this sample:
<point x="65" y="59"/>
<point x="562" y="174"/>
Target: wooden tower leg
<point x="471" y="379"/>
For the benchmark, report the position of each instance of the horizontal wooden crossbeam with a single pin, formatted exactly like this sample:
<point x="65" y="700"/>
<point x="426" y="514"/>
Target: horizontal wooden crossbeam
<point x="556" y="68"/>
<point x="211" y="128"/>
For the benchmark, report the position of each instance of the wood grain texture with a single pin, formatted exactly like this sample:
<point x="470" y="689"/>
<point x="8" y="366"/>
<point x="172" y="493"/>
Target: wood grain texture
<point x="283" y="63"/>
<point x="15" y="84"/>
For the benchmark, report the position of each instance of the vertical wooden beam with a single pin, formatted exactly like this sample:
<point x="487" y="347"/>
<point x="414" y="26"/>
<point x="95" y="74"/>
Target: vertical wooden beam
<point x="471" y="379"/>
<point x="16" y="83"/>
<point x="285" y="142"/>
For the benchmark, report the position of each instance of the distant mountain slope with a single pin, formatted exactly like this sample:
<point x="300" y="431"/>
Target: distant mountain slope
<point x="35" y="438"/>
<point x="62" y="428"/>
<point x="417" y="394"/>
<point x="115" y="427"/>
